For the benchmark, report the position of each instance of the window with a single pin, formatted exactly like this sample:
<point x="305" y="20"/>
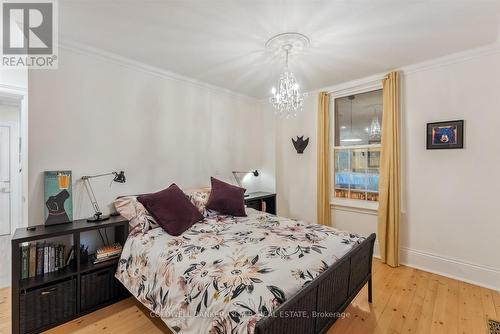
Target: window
<point x="356" y="151"/>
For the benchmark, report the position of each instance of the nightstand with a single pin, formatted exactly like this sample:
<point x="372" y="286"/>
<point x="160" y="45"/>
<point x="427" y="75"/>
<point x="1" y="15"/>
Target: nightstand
<point x="262" y="201"/>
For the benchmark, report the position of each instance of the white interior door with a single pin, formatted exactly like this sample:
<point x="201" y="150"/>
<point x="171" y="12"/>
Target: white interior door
<point x="5" y="179"/>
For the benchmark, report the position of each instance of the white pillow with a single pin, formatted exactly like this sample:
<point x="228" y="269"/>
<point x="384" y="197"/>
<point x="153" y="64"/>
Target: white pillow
<point x="139" y="218"/>
<point x="199" y="198"/>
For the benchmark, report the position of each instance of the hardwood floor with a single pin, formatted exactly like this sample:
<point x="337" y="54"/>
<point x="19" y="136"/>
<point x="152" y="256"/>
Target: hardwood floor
<point x="405" y="300"/>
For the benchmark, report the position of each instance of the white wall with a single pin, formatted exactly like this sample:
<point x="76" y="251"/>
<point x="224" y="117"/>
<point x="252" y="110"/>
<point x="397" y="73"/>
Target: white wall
<point x="452" y="223"/>
<point x="450" y="219"/>
<point x="296" y="173"/>
<point x="97" y="114"/>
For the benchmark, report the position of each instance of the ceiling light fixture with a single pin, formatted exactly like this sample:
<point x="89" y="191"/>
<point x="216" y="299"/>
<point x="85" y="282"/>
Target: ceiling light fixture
<point x="287" y="98"/>
<point x="351" y="139"/>
<point x="375" y="130"/>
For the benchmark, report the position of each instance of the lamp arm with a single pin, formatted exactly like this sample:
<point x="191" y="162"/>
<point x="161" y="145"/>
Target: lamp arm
<point x="86" y="177"/>
<point x="90" y="192"/>
<point x="235" y="174"/>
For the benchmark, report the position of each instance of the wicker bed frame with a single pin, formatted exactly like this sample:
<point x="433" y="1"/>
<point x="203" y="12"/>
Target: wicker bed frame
<point x="316" y="307"/>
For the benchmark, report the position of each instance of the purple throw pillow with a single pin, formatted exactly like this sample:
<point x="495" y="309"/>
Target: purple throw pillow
<point x="226" y="199"/>
<point x="171" y="209"/>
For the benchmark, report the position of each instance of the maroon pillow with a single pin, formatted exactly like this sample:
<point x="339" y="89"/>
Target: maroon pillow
<point x="171" y="209"/>
<point x="226" y="199"/>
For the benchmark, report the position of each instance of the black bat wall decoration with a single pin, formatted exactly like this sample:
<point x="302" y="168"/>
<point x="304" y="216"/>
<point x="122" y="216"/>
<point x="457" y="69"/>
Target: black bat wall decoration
<point x="300" y="144"/>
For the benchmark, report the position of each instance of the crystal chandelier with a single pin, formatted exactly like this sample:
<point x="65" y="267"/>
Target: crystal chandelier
<point x="286" y="98"/>
<point x="375" y="130"/>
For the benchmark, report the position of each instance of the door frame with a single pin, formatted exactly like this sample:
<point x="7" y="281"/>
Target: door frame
<point x="20" y="95"/>
<point x="15" y="180"/>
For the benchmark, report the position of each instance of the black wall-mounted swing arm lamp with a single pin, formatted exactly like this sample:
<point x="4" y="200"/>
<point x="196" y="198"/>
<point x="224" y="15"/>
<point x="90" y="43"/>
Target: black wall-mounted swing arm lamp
<point x="98" y="216"/>
<point x="236" y="173"/>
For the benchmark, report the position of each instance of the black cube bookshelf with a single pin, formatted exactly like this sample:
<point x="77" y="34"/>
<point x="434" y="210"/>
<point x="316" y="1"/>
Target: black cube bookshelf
<point x="48" y="300"/>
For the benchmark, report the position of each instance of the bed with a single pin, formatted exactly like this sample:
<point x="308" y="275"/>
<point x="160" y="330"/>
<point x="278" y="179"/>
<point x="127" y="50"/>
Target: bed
<point x="255" y="274"/>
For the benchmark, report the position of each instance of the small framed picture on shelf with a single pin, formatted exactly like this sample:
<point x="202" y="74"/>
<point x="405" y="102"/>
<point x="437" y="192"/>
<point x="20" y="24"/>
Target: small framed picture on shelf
<point x="445" y="135"/>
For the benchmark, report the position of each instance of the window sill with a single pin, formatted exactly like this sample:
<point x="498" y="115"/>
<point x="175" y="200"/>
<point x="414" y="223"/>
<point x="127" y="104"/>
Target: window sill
<point x="353" y="205"/>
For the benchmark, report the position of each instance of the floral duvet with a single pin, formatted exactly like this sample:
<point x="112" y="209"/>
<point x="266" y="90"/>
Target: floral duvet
<point x="225" y="273"/>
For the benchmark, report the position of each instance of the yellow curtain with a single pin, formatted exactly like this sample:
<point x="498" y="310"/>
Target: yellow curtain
<point x="323" y="192"/>
<point x="389" y="181"/>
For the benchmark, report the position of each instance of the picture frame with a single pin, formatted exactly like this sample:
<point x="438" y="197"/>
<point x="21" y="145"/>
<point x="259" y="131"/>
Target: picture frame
<point x="445" y="135"/>
<point x="58" y="197"/>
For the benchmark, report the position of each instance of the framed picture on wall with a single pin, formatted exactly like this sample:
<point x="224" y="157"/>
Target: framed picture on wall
<point x="445" y="135"/>
<point x="58" y="197"/>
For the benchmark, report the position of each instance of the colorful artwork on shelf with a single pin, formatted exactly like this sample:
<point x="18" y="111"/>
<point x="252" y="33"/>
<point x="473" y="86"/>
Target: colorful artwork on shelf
<point x="445" y="135"/>
<point x="58" y="197"/>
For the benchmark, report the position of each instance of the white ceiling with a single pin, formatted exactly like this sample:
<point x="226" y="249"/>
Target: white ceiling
<point x="221" y="42"/>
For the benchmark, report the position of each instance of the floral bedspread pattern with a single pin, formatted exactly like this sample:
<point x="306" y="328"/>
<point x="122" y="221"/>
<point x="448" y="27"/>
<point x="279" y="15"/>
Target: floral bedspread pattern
<point x="225" y="273"/>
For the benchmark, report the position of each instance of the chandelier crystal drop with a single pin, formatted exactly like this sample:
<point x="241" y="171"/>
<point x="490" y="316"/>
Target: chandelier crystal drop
<point x="287" y="98"/>
<point x="375" y="130"/>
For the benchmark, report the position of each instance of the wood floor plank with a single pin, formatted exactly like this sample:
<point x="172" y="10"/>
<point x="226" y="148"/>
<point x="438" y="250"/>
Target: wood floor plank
<point x="496" y="302"/>
<point x="471" y="311"/>
<point x="478" y="312"/>
<point x="405" y="300"/>
<point x="392" y="312"/>
<point x="425" y="319"/>
<point x="487" y="302"/>
<point x="5" y="311"/>
<point x="411" y="322"/>
<point x="401" y="310"/>
<point x="445" y="316"/>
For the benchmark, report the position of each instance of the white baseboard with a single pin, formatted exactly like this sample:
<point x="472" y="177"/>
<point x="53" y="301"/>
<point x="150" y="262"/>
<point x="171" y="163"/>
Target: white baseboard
<point x="485" y="276"/>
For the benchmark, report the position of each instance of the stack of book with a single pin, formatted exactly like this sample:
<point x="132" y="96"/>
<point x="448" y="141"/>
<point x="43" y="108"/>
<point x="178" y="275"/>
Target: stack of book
<point x="41" y="258"/>
<point x="107" y="253"/>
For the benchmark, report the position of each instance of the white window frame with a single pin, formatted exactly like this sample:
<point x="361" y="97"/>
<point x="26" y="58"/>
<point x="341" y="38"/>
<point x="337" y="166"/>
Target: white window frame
<point x="352" y="88"/>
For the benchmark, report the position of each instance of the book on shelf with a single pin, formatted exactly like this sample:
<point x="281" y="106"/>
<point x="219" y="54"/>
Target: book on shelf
<point x="52" y="260"/>
<point x="56" y="258"/>
<point x="108" y="251"/>
<point x="61" y="256"/>
<point x="45" y="258"/>
<point x="32" y="262"/>
<point x="71" y="256"/>
<point x="105" y="259"/>
<point x="24" y="261"/>
<point x="41" y="258"/>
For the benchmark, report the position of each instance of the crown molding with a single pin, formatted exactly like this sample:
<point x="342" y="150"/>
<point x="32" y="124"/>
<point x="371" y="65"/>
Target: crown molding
<point x="350" y="87"/>
<point x="129" y="63"/>
<point x="454" y="58"/>
<point x="374" y="81"/>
